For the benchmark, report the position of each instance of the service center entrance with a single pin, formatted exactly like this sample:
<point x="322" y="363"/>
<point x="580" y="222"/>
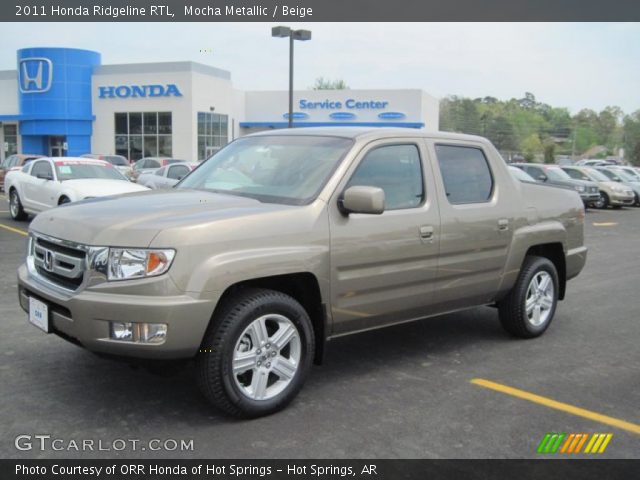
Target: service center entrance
<point x="56" y="146"/>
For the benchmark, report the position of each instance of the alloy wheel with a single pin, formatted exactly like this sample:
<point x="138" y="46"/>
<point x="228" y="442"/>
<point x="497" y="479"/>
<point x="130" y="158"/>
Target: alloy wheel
<point x="540" y="298"/>
<point x="266" y="357"/>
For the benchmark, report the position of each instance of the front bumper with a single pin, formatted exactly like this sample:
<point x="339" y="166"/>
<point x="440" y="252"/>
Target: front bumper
<point x="589" y="198"/>
<point x="83" y="317"/>
<point x="621" y="199"/>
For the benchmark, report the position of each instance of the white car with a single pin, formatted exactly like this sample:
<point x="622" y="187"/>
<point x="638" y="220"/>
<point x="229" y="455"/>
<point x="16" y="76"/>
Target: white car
<point x="166" y="177"/>
<point x="47" y="182"/>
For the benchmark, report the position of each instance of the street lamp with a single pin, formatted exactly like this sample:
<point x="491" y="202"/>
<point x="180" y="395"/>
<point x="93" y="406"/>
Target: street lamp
<point x="282" y="32"/>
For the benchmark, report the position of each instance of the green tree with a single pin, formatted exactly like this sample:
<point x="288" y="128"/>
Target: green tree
<point x="531" y="146"/>
<point x="631" y="135"/>
<point x="322" y="83"/>
<point x="549" y="149"/>
<point x="501" y="133"/>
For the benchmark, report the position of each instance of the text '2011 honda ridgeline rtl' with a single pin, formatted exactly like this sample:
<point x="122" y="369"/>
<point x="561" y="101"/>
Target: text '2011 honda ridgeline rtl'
<point x="286" y="239"/>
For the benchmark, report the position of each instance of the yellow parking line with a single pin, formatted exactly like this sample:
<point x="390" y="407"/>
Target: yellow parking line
<point x="563" y="407"/>
<point x="605" y="224"/>
<point x="14" y="230"/>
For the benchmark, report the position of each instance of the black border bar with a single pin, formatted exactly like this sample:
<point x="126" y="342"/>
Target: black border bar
<point x="324" y="10"/>
<point x="550" y="469"/>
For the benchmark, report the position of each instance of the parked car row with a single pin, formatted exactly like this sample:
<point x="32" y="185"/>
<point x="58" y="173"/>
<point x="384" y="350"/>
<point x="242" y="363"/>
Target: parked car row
<point x="599" y="187"/>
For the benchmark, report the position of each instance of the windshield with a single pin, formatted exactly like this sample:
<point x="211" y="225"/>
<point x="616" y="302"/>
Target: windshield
<point x="76" y="170"/>
<point x="632" y="174"/>
<point x="596" y="175"/>
<point x="624" y="176"/>
<point x="117" y="161"/>
<point x="556" y="173"/>
<point x="521" y="175"/>
<point x="273" y="169"/>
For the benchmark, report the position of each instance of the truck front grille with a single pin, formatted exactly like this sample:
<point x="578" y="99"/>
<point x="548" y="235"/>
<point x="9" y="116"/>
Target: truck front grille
<point x="59" y="263"/>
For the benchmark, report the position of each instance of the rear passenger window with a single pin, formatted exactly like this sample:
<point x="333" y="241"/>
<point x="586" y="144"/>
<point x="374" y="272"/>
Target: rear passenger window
<point x="397" y="170"/>
<point x="466" y="174"/>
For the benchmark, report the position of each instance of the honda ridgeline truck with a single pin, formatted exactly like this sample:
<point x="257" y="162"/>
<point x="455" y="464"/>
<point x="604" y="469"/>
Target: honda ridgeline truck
<point x="286" y="239"/>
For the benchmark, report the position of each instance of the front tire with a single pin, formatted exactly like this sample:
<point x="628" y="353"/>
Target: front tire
<point x="15" y="206"/>
<point x="256" y="354"/>
<point x="604" y="201"/>
<point x="527" y="311"/>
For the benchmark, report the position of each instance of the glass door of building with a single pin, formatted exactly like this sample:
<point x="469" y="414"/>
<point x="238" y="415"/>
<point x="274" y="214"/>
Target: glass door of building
<point x="56" y="146"/>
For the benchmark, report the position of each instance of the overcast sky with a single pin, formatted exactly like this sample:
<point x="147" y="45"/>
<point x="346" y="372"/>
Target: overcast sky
<point x="574" y="65"/>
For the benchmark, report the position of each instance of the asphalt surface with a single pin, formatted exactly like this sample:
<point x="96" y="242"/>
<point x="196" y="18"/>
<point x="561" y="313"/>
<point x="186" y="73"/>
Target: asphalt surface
<point x="400" y="392"/>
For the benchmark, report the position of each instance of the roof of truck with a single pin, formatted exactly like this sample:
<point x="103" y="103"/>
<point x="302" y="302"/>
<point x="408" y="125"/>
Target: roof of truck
<point x="377" y="132"/>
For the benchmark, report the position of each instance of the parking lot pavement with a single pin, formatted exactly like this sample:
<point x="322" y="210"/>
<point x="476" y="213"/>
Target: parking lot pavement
<point x="401" y="392"/>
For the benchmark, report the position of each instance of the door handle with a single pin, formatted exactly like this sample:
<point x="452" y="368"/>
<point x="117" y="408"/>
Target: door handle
<point x="426" y="232"/>
<point x="503" y="224"/>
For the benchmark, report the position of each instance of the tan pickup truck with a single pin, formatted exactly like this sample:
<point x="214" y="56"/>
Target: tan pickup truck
<point x="286" y="239"/>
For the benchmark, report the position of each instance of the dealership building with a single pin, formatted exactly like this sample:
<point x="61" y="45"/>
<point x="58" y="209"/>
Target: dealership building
<point x="65" y="102"/>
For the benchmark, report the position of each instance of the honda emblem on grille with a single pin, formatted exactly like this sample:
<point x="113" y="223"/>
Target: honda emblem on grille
<point x="48" y="260"/>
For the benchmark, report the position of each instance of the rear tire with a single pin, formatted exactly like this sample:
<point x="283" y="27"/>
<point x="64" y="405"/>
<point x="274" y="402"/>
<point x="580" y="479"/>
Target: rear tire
<point x="15" y="206"/>
<point x="527" y="311"/>
<point x="63" y="200"/>
<point x="256" y="353"/>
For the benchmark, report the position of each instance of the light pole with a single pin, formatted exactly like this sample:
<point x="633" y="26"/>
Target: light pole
<point x="302" y="35"/>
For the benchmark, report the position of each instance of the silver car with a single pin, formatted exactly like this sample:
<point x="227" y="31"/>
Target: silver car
<point x="166" y="177"/>
<point x="617" y="174"/>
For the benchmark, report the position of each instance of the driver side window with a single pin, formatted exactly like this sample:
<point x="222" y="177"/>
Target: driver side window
<point x="42" y="168"/>
<point x="397" y="170"/>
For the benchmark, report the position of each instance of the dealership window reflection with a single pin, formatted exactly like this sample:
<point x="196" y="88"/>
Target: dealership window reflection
<point x="212" y="133"/>
<point x="10" y="139"/>
<point x="143" y="134"/>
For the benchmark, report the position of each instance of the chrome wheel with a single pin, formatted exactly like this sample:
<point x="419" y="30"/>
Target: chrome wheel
<point x="540" y="299"/>
<point x="599" y="203"/>
<point x="13" y="204"/>
<point x="266" y="357"/>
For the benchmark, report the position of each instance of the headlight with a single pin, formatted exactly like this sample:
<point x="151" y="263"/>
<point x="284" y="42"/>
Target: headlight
<point x="126" y="263"/>
<point x="579" y="188"/>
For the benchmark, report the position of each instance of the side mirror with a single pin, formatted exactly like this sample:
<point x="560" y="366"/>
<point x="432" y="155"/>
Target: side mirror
<point x="542" y="178"/>
<point x="361" y="199"/>
<point x="44" y="176"/>
<point x="180" y="177"/>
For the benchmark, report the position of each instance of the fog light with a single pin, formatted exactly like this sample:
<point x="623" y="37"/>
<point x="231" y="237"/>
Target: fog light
<point x="138" y="332"/>
<point x="122" y="331"/>
<point x="151" y="332"/>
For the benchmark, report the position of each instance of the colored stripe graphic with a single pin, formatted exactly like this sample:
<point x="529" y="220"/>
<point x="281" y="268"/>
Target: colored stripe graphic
<point x="551" y="442"/>
<point x="598" y="443"/>
<point x="572" y="443"/>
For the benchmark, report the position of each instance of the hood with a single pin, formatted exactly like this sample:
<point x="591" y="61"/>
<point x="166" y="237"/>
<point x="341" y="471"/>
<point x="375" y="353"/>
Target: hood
<point x="584" y="183"/>
<point x="134" y="220"/>
<point x="100" y="187"/>
<point x="570" y="182"/>
<point x="611" y="184"/>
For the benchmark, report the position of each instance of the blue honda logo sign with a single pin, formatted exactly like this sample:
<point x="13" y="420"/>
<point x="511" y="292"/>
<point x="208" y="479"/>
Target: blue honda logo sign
<point x="391" y="115"/>
<point x="296" y="115"/>
<point x="35" y="75"/>
<point x="342" y="115"/>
